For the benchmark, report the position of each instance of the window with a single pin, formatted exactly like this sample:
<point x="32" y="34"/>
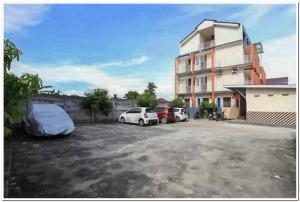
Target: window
<point x="285" y="94"/>
<point x="150" y="110"/>
<point x="256" y="95"/>
<point x="227" y="102"/>
<point x="159" y="109"/>
<point x="189" y="61"/>
<point x="176" y="110"/>
<point x="270" y="95"/>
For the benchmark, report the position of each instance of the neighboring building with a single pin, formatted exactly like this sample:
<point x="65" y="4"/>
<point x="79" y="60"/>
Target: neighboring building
<point x="213" y="55"/>
<point x="278" y="81"/>
<point x="268" y="104"/>
<point x="161" y="102"/>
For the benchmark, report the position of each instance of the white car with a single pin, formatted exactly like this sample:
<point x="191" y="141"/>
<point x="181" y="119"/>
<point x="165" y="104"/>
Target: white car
<point x="139" y="115"/>
<point x="180" y="114"/>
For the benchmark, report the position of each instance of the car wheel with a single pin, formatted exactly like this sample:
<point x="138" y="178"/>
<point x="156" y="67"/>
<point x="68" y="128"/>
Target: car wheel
<point x="177" y="119"/>
<point x="122" y="120"/>
<point x="164" y="120"/>
<point x="141" y="122"/>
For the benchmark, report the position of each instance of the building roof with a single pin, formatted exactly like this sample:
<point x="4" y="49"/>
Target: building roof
<point x="162" y="100"/>
<point x="278" y="81"/>
<point x="215" y="21"/>
<point x="242" y="88"/>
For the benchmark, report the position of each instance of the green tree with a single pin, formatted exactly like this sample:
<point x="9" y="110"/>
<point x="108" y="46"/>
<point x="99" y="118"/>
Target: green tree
<point x="177" y="102"/>
<point x="150" y="89"/>
<point x="132" y="95"/>
<point x="16" y="89"/>
<point x="11" y="52"/>
<point x="146" y="100"/>
<point x="98" y="100"/>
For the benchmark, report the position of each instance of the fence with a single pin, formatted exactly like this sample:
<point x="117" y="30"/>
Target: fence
<point x="71" y="104"/>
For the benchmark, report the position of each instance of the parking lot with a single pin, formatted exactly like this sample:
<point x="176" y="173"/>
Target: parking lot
<point x="197" y="158"/>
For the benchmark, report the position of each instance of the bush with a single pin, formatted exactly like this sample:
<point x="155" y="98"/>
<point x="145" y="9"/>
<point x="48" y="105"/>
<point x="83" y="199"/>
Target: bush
<point x="177" y="102"/>
<point x="98" y="100"/>
<point x="146" y="100"/>
<point x="16" y="89"/>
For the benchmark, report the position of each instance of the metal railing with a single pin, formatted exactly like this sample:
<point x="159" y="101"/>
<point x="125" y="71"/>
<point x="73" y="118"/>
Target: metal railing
<point x="206" y="45"/>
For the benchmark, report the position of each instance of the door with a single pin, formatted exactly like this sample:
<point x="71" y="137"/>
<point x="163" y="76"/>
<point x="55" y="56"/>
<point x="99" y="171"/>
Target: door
<point x="129" y="115"/>
<point x="219" y="102"/>
<point x="137" y="115"/>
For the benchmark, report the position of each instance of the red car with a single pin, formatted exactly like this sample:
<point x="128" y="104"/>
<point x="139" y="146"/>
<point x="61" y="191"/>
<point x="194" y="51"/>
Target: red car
<point x="165" y="114"/>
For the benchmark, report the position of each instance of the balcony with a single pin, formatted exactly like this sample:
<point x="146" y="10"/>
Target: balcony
<point x="206" y="45"/>
<point x="201" y="89"/>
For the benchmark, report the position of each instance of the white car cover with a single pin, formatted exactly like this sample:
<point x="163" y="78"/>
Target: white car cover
<point x="48" y="120"/>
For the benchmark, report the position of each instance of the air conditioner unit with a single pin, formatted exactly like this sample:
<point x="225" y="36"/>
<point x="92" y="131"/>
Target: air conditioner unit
<point x="234" y="70"/>
<point x="219" y="72"/>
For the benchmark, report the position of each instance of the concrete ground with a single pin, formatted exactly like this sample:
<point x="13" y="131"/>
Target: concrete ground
<point x="198" y="158"/>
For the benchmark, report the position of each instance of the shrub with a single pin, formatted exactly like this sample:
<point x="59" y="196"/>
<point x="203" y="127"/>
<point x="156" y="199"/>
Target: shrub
<point x="146" y="100"/>
<point x="98" y="100"/>
<point x="177" y="102"/>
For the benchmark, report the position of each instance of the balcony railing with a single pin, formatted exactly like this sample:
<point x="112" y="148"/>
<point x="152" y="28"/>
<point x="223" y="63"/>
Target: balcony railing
<point x="201" y="89"/>
<point x="206" y="45"/>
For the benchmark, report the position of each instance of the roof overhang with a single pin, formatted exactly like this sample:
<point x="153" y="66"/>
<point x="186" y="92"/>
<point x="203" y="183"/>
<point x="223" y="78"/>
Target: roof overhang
<point x="243" y="88"/>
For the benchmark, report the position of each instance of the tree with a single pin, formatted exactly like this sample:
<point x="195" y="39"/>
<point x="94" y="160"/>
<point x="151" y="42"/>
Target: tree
<point x="151" y="89"/>
<point x="132" y="95"/>
<point x="146" y="100"/>
<point x="177" y="102"/>
<point x="16" y="89"/>
<point x="98" y="100"/>
<point x="11" y="52"/>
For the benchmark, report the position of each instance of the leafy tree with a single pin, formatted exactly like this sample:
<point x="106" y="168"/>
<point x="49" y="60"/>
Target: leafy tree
<point x="146" y="100"/>
<point x="11" y="52"/>
<point x="16" y="89"/>
<point x="151" y="89"/>
<point x="98" y="100"/>
<point x="177" y="102"/>
<point x="132" y="95"/>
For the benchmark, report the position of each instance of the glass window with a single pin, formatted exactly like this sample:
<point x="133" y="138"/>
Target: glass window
<point x="176" y="110"/>
<point x="227" y="102"/>
<point x="150" y="110"/>
<point x="137" y="110"/>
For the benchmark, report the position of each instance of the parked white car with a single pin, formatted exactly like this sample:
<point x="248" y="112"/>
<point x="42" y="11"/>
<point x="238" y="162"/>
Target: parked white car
<point x="180" y="114"/>
<point x="139" y="115"/>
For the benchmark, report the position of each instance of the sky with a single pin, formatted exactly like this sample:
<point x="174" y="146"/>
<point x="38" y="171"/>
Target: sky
<point x="121" y="47"/>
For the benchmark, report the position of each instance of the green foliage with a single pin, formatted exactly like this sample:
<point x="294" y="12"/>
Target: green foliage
<point x="207" y="105"/>
<point x="98" y="100"/>
<point x="16" y="89"/>
<point x="177" y="102"/>
<point x="146" y="100"/>
<point x="150" y="89"/>
<point x="11" y="52"/>
<point x="16" y="92"/>
<point x="132" y="95"/>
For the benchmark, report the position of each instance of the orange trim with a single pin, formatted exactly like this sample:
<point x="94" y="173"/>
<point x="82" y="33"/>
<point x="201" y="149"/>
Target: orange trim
<point x="193" y="79"/>
<point x="212" y="75"/>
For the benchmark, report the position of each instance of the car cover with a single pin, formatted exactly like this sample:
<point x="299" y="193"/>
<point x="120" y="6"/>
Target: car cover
<point x="48" y="120"/>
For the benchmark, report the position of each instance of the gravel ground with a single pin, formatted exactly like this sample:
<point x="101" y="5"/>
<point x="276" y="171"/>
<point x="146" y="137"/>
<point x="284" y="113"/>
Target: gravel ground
<point x="197" y="158"/>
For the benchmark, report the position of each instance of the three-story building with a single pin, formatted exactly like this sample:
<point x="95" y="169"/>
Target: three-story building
<point x="215" y="54"/>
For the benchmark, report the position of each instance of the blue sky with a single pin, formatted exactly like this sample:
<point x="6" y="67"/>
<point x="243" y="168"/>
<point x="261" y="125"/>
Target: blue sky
<point x="122" y="47"/>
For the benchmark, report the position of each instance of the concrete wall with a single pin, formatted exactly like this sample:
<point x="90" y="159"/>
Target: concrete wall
<point x="267" y="103"/>
<point x="71" y="104"/>
<point x="191" y="45"/>
<point x="228" y="78"/>
<point x="229" y="55"/>
<point x="225" y="34"/>
<point x="270" y="107"/>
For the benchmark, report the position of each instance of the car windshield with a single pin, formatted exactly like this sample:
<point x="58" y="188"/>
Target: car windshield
<point x="183" y="110"/>
<point x="150" y="110"/>
<point x="176" y="110"/>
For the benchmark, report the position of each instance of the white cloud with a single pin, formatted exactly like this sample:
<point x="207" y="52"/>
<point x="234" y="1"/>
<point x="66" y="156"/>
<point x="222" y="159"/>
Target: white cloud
<point x="131" y="62"/>
<point x="251" y="15"/>
<point x="19" y="16"/>
<point x="96" y="77"/>
<point x="279" y="57"/>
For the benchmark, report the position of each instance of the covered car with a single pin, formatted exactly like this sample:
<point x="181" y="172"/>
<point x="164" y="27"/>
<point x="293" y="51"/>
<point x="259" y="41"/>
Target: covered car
<point x="48" y="120"/>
